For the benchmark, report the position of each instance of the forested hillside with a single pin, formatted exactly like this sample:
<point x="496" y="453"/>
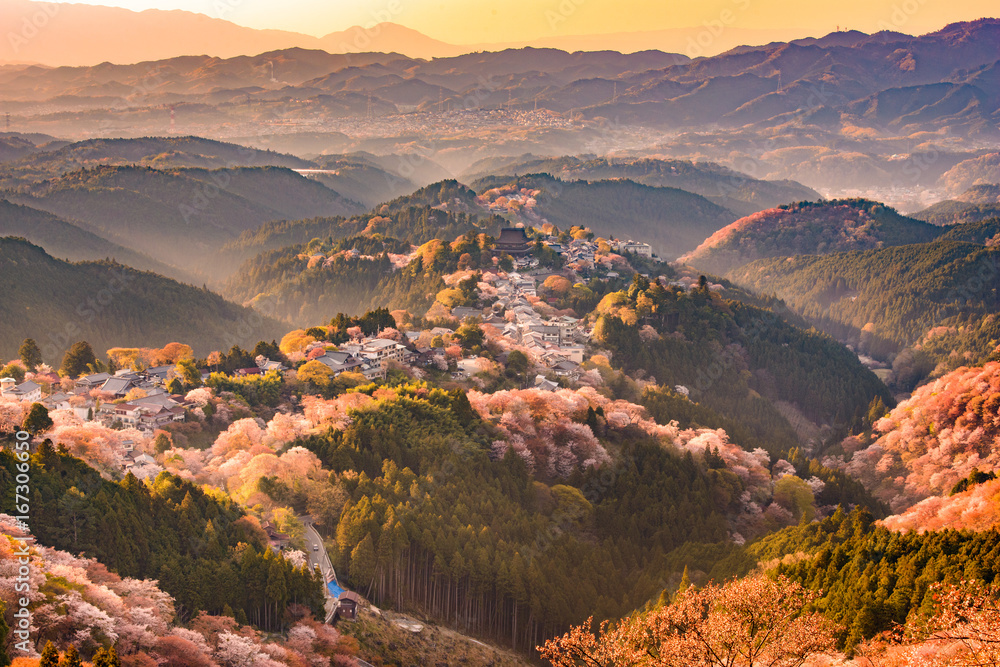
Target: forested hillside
<point x="730" y="189"/>
<point x="109" y="305"/>
<point x="945" y="432"/>
<point x="738" y="360"/>
<point x="369" y="179"/>
<point x="935" y="301"/>
<point x="411" y="224"/>
<point x="180" y="217"/>
<point x="68" y="241"/>
<point x="203" y="551"/>
<point x="807" y="228"/>
<point x="672" y="221"/>
<point x="305" y="283"/>
<point x="156" y="152"/>
<point x="951" y="212"/>
<point x="82" y="604"/>
<point x="872" y="578"/>
<point x="489" y="546"/>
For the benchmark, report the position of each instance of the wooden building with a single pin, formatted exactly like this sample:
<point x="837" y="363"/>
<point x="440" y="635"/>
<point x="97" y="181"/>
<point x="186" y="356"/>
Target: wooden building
<point x="348" y="605"/>
<point x="513" y="241"/>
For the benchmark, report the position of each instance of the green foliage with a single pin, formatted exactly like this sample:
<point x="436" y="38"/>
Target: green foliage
<point x="517" y="365"/>
<point x="14" y="371"/>
<point x="882" y="301"/>
<point x="106" y="657"/>
<point x="201" y="548"/>
<point x="161" y="443"/>
<point x="29" y="353"/>
<point x="429" y="512"/>
<point x="447" y="191"/>
<point x="737" y="360"/>
<point x="470" y="336"/>
<point x="673" y="221"/>
<point x="809" y="228"/>
<point x="872" y="578"/>
<point x="71" y="658"/>
<point x="50" y="656"/>
<point x="37" y="420"/>
<point x="188" y="371"/>
<point x="256" y="390"/>
<point x="111" y="305"/>
<point x="403" y="224"/>
<point x="975" y="477"/>
<point x="78" y="360"/>
<point x="291" y="284"/>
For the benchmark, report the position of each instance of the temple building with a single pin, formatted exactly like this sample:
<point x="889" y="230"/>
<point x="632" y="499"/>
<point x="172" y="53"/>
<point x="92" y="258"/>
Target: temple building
<point x="513" y="241"/>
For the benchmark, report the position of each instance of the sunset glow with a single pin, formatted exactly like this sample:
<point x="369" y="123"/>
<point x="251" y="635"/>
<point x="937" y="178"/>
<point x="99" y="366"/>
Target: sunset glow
<point x="490" y="21"/>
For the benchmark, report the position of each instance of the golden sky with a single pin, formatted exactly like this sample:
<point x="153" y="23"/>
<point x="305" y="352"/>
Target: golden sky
<point x="486" y="21"/>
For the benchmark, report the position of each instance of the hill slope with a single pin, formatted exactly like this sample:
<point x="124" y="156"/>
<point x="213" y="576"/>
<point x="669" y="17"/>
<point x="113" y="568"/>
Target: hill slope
<point x="936" y="301"/>
<point x="65" y="240"/>
<point x="736" y="191"/>
<point x="980" y="202"/>
<point x="58" y="303"/>
<point x="158" y="152"/>
<point x="672" y="221"/>
<point x="807" y="229"/>
<point x="181" y="216"/>
<point x="934" y="439"/>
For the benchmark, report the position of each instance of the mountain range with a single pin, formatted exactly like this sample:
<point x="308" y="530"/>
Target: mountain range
<point x="118" y="35"/>
<point x="946" y="81"/>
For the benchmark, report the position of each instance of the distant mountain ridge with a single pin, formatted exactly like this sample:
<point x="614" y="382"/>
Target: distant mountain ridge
<point x="119" y="35"/>
<point x="946" y="83"/>
<point x="730" y="189"/>
<point x="78" y="34"/>
<point x="926" y="308"/>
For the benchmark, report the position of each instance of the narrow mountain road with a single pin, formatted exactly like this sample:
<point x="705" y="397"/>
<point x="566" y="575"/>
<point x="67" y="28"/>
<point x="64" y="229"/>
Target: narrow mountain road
<point x="318" y="556"/>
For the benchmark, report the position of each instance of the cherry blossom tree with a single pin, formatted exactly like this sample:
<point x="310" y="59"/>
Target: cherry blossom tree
<point x="751" y="622"/>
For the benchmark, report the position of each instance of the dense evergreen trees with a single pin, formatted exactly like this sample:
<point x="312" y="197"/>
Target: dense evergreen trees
<point x="432" y="523"/>
<point x="201" y="547"/>
<point x="871" y="577"/>
<point x="29" y="353"/>
<point x="110" y="305"/>
<point x="307" y="283"/>
<point x="938" y="298"/>
<point x="736" y="360"/>
<point x="78" y="360"/>
<point x="411" y="220"/>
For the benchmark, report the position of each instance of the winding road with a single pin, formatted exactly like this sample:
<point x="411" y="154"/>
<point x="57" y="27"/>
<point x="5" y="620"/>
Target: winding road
<point x="318" y="556"/>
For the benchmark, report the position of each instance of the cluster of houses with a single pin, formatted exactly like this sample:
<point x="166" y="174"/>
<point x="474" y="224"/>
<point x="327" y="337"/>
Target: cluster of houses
<point x="582" y="253"/>
<point x="369" y="356"/>
<point x="578" y="253"/>
<point x="150" y="407"/>
<point x="558" y="343"/>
